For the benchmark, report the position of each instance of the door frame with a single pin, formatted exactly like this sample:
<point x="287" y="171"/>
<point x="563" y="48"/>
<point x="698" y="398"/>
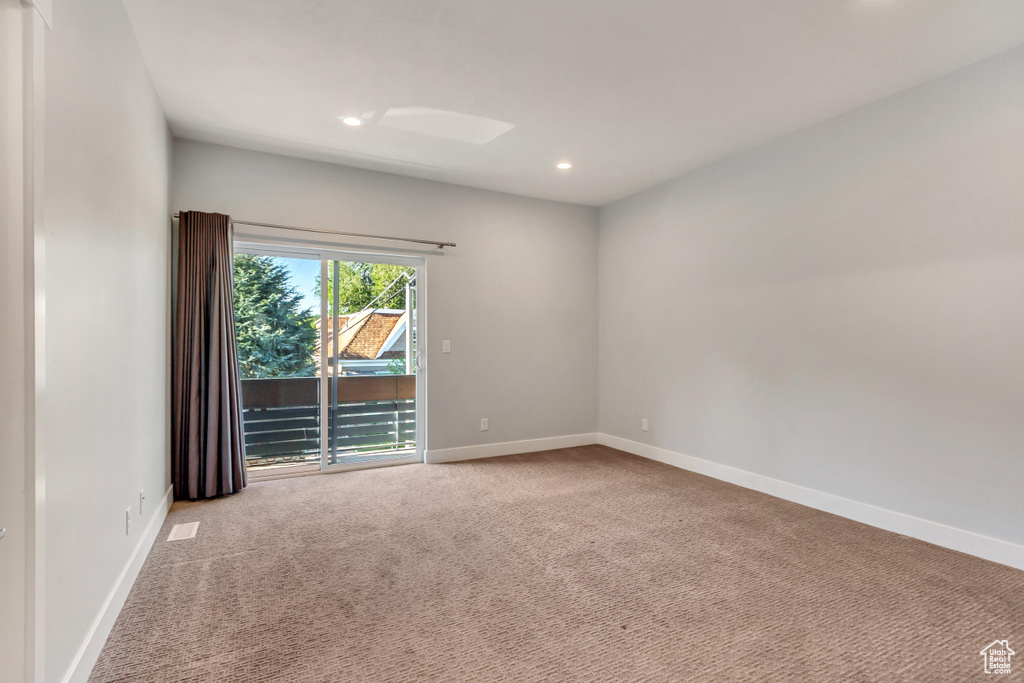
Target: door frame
<point x="23" y="25"/>
<point x="326" y="254"/>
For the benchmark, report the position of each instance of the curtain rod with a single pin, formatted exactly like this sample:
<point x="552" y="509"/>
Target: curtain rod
<point x="440" y="245"/>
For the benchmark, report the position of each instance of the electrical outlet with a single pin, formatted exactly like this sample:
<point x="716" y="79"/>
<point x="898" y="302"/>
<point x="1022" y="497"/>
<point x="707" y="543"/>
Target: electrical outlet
<point x="127" y="521"/>
<point x="142" y="501"/>
<point x="643" y="424"/>
<point x="483" y="424"/>
<point x="446" y="346"/>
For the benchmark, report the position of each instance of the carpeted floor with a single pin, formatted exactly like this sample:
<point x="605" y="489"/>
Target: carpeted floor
<point x="583" y="564"/>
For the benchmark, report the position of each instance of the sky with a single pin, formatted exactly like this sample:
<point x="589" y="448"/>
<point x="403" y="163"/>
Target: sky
<point x="303" y="273"/>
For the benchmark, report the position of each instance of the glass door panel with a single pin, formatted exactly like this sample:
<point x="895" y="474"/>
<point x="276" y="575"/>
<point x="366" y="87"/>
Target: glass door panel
<point x="370" y="337"/>
<point x="277" y="310"/>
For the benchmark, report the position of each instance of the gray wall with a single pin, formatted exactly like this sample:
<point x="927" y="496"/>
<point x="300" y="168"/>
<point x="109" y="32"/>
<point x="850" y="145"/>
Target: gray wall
<point x="840" y="309"/>
<point x="107" y="165"/>
<point x="517" y="297"/>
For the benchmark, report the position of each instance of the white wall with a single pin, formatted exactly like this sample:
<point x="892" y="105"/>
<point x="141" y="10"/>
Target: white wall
<point x="107" y="163"/>
<point x="840" y="309"/>
<point x="517" y="297"/>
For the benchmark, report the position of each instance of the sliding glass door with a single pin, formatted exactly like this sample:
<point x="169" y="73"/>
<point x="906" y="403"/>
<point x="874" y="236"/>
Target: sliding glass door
<point x="370" y="337"/>
<point x="329" y="344"/>
<point x="276" y="314"/>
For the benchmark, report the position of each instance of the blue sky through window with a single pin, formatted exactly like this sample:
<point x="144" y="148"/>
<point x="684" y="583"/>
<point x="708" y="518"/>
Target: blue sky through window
<point x="303" y="274"/>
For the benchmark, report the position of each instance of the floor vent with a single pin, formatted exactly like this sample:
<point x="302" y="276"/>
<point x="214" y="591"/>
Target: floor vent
<point x="182" y="531"/>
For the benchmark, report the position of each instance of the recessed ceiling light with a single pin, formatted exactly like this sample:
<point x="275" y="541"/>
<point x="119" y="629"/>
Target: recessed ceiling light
<point x="563" y="166"/>
<point x="351" y="120"/>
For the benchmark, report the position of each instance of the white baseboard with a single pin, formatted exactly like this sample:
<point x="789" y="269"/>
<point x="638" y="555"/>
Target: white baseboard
<point x="89" y="652"/>
<point x="491" y="450"/>
<point x="968" y="542"/>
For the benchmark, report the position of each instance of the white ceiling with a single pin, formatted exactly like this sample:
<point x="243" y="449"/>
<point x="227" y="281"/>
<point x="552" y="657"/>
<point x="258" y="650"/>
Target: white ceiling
<point x="633" y="92"/>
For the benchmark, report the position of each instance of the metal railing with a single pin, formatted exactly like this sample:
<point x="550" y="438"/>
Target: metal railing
<point x="281" y="418"/>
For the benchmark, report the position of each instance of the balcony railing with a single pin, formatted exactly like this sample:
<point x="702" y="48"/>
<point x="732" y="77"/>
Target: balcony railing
<point x="282" y="421"/>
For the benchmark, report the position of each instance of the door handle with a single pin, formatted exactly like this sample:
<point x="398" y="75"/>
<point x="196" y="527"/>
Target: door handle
<point x="3" y="532"/>
<point x="418" y="364"/>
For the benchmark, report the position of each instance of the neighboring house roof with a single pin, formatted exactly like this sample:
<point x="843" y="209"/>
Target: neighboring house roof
<point x="363" y="335"/>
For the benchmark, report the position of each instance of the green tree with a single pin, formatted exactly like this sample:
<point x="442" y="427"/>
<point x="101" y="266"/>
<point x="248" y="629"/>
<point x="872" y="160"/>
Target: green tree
<point x="360" y="283"/>
<point x="276" y="337"/>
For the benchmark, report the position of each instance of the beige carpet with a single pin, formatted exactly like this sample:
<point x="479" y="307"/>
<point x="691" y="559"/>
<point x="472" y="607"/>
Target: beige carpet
<point x="582" y="564"/>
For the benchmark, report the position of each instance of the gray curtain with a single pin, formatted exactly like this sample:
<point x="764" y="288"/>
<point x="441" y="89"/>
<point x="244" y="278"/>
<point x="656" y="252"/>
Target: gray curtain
<point x="208" y="451"/>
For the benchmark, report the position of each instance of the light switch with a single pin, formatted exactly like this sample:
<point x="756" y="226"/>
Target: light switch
<point x="446" y="346"/>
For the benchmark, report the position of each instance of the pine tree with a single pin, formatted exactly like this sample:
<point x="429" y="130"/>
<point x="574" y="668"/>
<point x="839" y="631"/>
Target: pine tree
<point x="276" y="338"/>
